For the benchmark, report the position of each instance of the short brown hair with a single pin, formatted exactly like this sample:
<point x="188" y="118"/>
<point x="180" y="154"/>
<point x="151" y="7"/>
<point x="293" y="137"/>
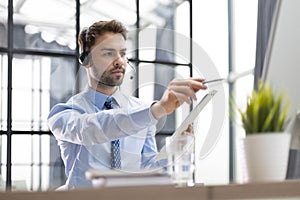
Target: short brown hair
<point x="88" y="35"/>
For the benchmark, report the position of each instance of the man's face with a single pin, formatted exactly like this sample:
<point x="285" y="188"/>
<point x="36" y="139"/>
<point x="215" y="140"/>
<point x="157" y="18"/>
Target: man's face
<point x="108" y="59"/>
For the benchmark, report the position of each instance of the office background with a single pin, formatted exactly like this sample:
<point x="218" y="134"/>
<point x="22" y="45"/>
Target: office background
<point x="39" y="68"/>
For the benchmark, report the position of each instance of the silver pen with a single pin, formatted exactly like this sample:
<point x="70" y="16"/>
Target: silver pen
<point x="214" y="80"/>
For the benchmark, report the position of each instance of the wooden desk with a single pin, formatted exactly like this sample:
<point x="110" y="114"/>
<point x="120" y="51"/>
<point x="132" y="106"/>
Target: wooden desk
<point x="287" y="189"/>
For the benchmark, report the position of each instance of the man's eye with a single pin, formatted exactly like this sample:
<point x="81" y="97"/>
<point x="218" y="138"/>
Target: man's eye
<point x="108" y="54"/>
<point x="123" y="54"/>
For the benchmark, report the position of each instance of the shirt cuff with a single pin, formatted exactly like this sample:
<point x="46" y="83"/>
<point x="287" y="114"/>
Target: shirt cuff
<point x="150" y="113"/>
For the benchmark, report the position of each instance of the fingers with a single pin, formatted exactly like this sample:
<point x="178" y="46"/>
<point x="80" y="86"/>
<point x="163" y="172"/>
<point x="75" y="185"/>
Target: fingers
<point x="181" y="98"/>
<point x="189" y="130"/>
<point x="195" y="83"/>
<point x="197" y="79"/>
<point x="188" y="86"/>
<point x="182" y="90"/>
<point x="178" y="92"/>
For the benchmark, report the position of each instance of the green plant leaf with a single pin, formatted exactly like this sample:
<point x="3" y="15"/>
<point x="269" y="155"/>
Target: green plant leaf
<point x="267" y="126"/>
<point x="282" y="121"/>
<point x="265" y="111"/>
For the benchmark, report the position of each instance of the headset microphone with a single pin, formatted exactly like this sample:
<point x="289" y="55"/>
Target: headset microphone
<point x="133" y="68"/>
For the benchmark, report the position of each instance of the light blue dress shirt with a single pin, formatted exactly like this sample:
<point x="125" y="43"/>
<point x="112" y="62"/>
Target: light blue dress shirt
<point x="84" y="129"/>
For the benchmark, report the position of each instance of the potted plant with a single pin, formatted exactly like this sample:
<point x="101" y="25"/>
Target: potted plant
<point x="266" y="145"/>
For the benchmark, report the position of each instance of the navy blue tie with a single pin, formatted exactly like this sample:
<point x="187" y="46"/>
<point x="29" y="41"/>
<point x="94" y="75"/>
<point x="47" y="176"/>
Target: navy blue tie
<point x="115" y="144"/>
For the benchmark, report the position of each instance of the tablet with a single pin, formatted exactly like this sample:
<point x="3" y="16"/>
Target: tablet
<point x="188" y="120"/>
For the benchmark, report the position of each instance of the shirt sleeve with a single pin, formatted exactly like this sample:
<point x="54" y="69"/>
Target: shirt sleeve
<point x="150" y="151"/>
<point x="72" y="124"/>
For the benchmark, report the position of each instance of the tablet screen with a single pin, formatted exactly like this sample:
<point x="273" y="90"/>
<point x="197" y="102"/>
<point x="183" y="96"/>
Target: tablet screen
<point x="188" y="120"/>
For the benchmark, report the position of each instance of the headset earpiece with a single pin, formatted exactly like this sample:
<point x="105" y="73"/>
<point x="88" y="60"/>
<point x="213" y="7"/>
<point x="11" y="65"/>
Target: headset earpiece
<point x="84" y="58"/>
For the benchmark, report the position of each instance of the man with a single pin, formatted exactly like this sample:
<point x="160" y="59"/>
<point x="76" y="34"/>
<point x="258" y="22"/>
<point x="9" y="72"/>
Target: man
<point x="101" y="127"/>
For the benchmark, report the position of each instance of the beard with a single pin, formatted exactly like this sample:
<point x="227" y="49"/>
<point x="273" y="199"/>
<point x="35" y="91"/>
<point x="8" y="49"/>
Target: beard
<point x="108" y="78"/>
<point x="110" y="81"/>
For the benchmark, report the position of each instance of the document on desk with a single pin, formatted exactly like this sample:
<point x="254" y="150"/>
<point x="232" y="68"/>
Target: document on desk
<point x="118" y="178"/>
<point x="187" y="121"/>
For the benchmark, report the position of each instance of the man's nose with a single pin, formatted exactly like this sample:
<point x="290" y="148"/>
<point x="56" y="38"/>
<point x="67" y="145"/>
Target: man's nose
<point x="118" y="61"/>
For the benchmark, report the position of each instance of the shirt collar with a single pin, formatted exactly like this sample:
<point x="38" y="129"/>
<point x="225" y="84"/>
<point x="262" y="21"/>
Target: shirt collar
<point x="120" y="99"/>
<point x="98" y="98"/>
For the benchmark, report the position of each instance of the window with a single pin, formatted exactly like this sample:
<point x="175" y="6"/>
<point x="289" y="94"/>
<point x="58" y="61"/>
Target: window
<point x="34" y="49"/>
<point x="42" y="51"/>
<point x="216" y="22"/>
<point x="39" y="68"/>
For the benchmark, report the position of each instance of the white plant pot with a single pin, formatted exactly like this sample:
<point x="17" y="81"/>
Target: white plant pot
<point x="265" y="156"/>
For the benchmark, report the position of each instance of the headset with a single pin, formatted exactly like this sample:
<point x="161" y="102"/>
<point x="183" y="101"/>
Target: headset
<point x="132" y="67"/>
<point x="84" y="59"/>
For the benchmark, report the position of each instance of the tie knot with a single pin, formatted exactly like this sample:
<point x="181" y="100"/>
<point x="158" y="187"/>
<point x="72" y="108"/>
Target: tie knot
<point x="108" y="103"/>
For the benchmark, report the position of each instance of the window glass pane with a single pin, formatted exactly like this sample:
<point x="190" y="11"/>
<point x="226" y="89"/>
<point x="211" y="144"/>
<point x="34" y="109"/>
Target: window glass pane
<point x="21" y="177"/>
<point x="182" y="18"/>
<point x="160" y="38"/>
<point x="131" y="43"/>
<point x="210" y="38"/>
<point x="3" y="157"/>
<point x="147" y="43"/>
<point x="245" y="32"/>
<point x="3" y="92"/>
<point x="45" y="175"/>
<point x="36" y="148"/>
<point x="158" y="13"/>
<point x="3" y="178"/>
<point x="163" y="45"/>
<point x="92" y="11"/>
<point x="30" y="178"/>
<point x="31" y="153"/>
<point x="182" y="36"/>
<point x="244" y="58"/>
<point x="45" y="149"/>
<point x="210" y="31"/>
<point x="153" y="80"/>
<point x="146" y="81"/>
<point x="21" y="149"/>
<point x="57" y="170"/>
<point x="39" y="83"/>
<point x="3" y="23"/>
<point x="45" y="25"/>
<point x="245" y="47"/>
<point x="181" y="72"/>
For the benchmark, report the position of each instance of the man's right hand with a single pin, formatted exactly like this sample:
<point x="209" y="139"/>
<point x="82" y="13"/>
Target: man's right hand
<point x="177" y="92"/>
